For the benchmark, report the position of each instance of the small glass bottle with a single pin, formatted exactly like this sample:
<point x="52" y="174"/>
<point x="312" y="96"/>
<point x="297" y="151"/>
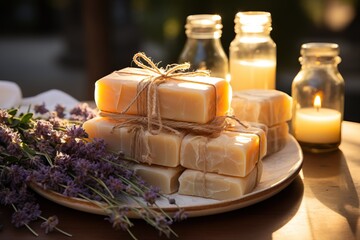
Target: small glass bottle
<point x="203" y="49"/>
<point x="252" y="52"/>
<point x="318" y="98"/>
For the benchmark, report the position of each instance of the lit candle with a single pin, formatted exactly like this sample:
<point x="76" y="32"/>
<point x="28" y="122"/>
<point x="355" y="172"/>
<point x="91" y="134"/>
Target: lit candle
<point x="317" y="124"/>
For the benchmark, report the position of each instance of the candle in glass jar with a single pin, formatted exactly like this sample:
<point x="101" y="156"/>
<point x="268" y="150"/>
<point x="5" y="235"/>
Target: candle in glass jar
<point x="257" y="74"/>
<point x="317" y="124"/>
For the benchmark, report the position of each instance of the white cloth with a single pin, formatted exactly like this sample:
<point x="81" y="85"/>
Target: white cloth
<point x="11" y="96"/>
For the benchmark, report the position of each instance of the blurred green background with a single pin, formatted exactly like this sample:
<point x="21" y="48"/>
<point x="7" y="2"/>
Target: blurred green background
<point x="68" y="44"/>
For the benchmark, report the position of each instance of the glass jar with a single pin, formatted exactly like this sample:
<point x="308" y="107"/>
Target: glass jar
<point x="203" y="48"/>
<point x="252" y="52"/>
<point x="318" y="98"/>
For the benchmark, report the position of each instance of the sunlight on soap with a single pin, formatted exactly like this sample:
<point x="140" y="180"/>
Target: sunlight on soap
<point x="242" y="140"/>
<point x="193" y="86"/>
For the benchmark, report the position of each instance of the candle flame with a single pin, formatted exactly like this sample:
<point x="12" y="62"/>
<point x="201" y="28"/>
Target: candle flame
<point x="317" y="102"/>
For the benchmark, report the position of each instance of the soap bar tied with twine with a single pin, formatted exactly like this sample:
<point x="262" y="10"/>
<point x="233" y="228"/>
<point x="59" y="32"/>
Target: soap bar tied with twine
<point x="147" y="97"/>
<point x="147" y="101"/>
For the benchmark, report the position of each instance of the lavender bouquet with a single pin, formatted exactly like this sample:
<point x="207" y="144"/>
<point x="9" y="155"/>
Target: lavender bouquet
<point x="56" y="154"/>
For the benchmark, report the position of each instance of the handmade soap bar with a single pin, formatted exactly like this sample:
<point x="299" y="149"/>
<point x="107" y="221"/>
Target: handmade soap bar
<point x="162" y="149"/>
<point x="216" y="186"/>
<point x="270" y="107"/>
<point x="277" y="137"/>
<point x="231" y="153"/>
<point x="258" y="129"/>
<point x="166" y="178"/>
<point x="193" y="99"/>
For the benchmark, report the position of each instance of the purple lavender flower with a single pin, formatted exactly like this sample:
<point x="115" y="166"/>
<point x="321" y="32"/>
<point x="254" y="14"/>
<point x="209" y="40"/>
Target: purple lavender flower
<point x="8" y="196"/>
<point x="119" y="220"/>
<point x="41" y="109"/>
<point x="128" y="173"/>
<point x="45" y="147"/>
<point x="55" y="120"/>
<point x="52" y="178"/>
<point x="20" y="218"/>
<point x="35" y="161"/>
<point x="63" y="160"/>
<point x="94" y="150"/>
<point x="60" y="110"/>
<point x="76" y="132"/>
<point x="56" y="137"/>
<point x="81" y="167"/>
<point x="25" y="214"/>
<point x="151" y="195"/>
<point x="40" y="175"/>
<point x="115" y="185"/>
<point x="43" y="128"/>
<point x="16" y="174"/>
<point x="82" y="112"/>
<point x="5" y="137"/>
<point x="72" y="189"/>
<point x="56" y="156"/>
<point x="58" y="176"/>
<point x="4" y="116"/>
<point x="50" y="224"/>
<point x="180" y="215"/>
<point x="11" y="140"/>
<point x="72" y="147"/>
<point x="163" y="223"/>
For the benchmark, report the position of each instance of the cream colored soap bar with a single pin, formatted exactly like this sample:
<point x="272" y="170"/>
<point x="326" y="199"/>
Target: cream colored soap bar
<point x="277" y="136"/>
<point x="162" y="149"/>
<point x="166" y="178"/>
<point x="231" y="153"/>
<point x="216" y="186"/>
<point x="269" y="107"/>
<point x="194" y="99"/>
<point x="258" y="129"/>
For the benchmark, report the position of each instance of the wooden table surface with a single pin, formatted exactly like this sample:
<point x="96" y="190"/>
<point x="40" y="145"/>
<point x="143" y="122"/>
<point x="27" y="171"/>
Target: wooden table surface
<point x="321" y="203"/>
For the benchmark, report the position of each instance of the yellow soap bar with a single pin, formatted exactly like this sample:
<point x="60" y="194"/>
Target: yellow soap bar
<point x="193" y="99"/>
<point x="231" y="153"/>
<point x="162" y="149"/>
<point x="216" y="186"/>
<point x="269" y="107"/>
<point x="165" y="178"/>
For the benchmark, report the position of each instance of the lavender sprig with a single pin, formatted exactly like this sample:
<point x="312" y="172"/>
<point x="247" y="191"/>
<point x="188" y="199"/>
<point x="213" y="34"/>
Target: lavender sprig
<point x="57" y="154"/>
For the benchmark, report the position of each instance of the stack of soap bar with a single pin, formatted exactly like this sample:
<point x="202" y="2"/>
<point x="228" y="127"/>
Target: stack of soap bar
<point x="231" y="153"/>
<point x="194" y="99"/>
<point x="222" y="167"/>
<point x="271" y="109"/>
<point x="216" y="186"/>
<point x="162" y="149"/>
<point x="165" y="178"/>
